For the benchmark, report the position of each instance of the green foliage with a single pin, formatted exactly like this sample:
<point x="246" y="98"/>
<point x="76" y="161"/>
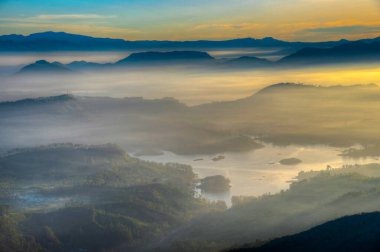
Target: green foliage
<point x="114" y="201"/>
<point x="315" y="198"/>
<point x="194" y="245"/>
<point x="70" y="164"/>
<point x="215" y="184"/>
<point x="11" y="238"/>
<point x="128" y="217"/>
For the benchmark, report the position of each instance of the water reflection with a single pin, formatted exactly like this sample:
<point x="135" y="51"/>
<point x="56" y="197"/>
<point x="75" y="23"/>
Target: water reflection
<point x="259" y="172"/>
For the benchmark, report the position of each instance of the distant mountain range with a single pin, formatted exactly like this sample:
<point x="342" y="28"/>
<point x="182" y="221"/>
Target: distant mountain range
<point x="61" y="41"/>
<point x="353" y="52"/>
<point x="352" y="233"/>
<point x="135" y="59"/>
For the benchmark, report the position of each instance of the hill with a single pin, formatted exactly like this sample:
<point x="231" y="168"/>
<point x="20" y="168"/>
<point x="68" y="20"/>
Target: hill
<point x="44" y="67"/>
<point x="280" y="114"/>
<point x="313" y="198"/>
<point x="85" y="65"/>
<point x="248" y="62"/>
<point x="184" y="57"/>
<point x="71" y="164"/>
<point x="351" y="233"/>
<point x="354" y="52"/>
<point x="71" y="197"/>
<point x="140" y="124"/>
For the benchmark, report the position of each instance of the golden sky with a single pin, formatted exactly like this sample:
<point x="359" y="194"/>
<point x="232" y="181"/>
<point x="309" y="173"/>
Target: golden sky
<point x="294" y="20"/>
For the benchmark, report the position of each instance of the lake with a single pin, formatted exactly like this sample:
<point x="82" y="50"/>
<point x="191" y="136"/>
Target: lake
<point x="259" y="172"/>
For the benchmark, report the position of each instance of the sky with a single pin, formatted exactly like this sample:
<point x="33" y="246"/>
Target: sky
<point x="292" y="20"/>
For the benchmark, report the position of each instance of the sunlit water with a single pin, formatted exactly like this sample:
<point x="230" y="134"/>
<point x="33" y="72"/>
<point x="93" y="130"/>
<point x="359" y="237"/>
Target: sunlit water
<point x="259" y="172"/>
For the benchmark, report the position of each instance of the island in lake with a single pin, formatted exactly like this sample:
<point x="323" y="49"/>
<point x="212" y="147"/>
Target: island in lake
<point x="290" y="161"/>
<point x="215" y="184"/>
<point x="218" y="158"/>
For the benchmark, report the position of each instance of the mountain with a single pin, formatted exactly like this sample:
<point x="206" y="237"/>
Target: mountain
<point x="166" y="57"/>
<point x="58" y="41"/>
<point x="286" y="115"/>
<point x="135" y="59"/>
<point x="85" y="65"/>
<point x="351" y="233"/>
<point x="61" y="41"/>
<point x="346" y="53"/>
<point x="137" y="123"/>
<point x="42" y="66"/>
<point x="353" y="52"/>
<point x="248" y="62"/>
<point x="56" y="104"/>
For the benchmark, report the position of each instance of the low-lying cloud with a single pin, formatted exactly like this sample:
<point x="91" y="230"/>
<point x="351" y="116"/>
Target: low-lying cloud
<point x="352" y="29"/>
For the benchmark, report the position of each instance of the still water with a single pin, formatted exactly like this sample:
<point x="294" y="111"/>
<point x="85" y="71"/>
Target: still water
<point x="259" y="172"/>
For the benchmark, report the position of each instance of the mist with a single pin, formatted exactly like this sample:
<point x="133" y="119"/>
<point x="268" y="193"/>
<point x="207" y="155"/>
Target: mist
<point x="192" y="86"/>
<point x="278" y="136"/>
<point x="189" y="126"/>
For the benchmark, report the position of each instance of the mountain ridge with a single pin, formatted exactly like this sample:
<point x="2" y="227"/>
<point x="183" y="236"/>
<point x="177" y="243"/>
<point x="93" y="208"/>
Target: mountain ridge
<point x="347" y="233"/>
<point x="173" y="56"/>
<point x="43" y="66"/>
<point x="358" y="51"/>
<point x="62" y="41"/>
<point x="348" y="53"/>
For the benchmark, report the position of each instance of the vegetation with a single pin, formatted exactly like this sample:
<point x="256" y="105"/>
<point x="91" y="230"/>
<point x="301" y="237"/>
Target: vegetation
<point x="316" y="197"/>
<point x="71" y="164"/>
<point x="368" y="150"/>
<point x="215" y="184"/>
<point x="282" y="114"/>
<point x="290" y="161"/>
<point x="11" y="237"/>
<point x="111" y="201"/>
<point x="107" y="191"/>
<point x="352" y="233"/>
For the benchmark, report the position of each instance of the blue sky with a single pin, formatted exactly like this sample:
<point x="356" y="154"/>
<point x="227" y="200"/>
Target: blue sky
<point x="308" y="20"/>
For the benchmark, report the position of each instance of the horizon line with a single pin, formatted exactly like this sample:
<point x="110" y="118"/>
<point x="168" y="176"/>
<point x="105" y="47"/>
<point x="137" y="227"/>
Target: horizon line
<point x="195" y="40"/>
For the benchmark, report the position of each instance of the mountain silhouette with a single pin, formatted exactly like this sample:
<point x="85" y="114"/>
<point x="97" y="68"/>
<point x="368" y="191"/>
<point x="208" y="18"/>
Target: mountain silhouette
<point x="174" y="56"/>
<point x="351" y="52"/>
<point x="85" y="65"/>
<point x="42" y="66"/>
<point x="58" y="41"/>
<point x="248" y="62"/>
<point x="62" y="41"/>
<point x="350" y="234"/>
<point x="181" y="58"/>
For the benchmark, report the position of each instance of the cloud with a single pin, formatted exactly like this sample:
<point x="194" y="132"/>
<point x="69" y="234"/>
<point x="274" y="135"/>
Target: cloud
<point x="353" y="29"/>
<point x="61" y="18"/>
<point x="227" y="26"/>
<point x="92" y="28"/>
<point x="71" y="16"/>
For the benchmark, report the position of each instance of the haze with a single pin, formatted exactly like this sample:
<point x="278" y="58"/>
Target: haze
<point x="189" y="126"/>
<point x="191" y="86"/>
